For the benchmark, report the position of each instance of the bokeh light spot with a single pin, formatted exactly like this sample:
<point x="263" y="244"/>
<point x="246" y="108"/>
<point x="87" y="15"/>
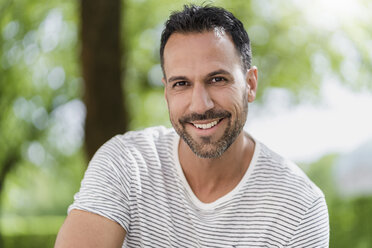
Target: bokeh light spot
<point x="56" y="77"/>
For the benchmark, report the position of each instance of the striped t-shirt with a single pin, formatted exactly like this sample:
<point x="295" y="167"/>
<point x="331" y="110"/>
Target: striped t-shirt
<point x="136" y="180"/>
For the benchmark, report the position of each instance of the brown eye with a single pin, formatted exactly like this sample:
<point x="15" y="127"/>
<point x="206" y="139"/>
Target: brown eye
<point x="218" y="79"/>
<point x="180" y="84"/>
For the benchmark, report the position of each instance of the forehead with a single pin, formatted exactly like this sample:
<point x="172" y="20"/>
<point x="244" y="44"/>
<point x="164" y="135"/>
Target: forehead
<point x="199" y="52"/>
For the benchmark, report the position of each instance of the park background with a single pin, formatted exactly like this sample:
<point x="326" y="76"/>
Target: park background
<point x="74" y="73"/>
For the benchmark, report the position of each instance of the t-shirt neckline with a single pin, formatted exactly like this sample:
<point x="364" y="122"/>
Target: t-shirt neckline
<point x="212" y="205"/>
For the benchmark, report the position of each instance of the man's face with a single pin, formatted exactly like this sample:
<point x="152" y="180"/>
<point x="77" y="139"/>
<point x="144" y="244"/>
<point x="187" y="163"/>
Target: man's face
<point x="206" y="90"/>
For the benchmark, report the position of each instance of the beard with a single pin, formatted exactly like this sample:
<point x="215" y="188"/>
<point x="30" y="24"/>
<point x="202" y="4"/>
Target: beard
<point x="207" y="148"/>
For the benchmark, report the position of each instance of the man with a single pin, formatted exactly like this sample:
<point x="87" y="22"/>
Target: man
<point x="205" y="183"/>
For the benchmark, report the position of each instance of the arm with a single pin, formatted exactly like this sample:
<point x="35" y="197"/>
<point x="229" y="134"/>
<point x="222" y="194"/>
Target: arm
<point x="100" y="214"/>
<point x="83" y="229"/>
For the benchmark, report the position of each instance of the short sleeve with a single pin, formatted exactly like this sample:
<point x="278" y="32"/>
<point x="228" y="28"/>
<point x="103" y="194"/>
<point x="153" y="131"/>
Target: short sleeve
<point x="313" y="230"/>
<point x="105" y="188"/>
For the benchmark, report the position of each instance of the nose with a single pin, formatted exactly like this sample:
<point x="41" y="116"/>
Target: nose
<point x="200" y="99"/>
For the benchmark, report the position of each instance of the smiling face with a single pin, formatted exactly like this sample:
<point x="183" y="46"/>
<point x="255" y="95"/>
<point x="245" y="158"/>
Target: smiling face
<point x="206" y="90"/>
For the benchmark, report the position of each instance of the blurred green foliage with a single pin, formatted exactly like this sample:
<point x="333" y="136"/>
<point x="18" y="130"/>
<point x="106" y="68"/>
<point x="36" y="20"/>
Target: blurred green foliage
<point x="350" y="218"/>
<point x="30" y="241"/>
<point x="41" y="113"/>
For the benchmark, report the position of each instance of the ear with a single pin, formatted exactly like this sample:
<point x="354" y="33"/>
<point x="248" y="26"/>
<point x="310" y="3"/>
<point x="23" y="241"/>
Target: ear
<point x="252" y="80"/>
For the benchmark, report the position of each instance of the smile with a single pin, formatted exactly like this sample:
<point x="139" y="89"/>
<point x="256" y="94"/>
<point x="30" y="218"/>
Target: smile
<point x="206" y="125"/>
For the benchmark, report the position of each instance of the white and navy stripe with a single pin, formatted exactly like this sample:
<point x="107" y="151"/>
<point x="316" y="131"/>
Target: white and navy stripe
<point x="136" y="180"/>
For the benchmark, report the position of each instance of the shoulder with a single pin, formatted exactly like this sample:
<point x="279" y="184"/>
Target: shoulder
<point x="125" y="160"/>
<point x="130" y="153"/>
<point x="151" y="135"/>
<point x="297" y="203"/>
<point x="136" y="141"/>
<point x="286" y="175"/>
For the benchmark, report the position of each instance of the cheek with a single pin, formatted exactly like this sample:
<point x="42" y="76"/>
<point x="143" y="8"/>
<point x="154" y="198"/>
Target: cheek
<point x="175" y="106"/>
<point x="230" y="98"/>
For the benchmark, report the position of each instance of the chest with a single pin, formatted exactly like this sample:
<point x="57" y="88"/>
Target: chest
<point x="163" y="215"/>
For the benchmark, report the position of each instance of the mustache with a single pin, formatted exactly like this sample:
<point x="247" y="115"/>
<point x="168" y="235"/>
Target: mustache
<point x="209" y="114"/>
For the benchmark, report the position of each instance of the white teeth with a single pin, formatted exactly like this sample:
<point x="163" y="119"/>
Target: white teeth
<point x="206" y="126"/>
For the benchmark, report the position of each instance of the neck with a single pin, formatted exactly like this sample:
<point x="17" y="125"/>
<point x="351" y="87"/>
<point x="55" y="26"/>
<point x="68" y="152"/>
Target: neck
<point x="210" y="179"/>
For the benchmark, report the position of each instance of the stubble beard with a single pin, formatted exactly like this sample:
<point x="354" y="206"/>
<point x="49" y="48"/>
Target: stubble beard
<point x="208" y="148"/>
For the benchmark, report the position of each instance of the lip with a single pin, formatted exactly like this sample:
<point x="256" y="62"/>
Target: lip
<point x="206" y="121"/>
<point x="209" y="131"/>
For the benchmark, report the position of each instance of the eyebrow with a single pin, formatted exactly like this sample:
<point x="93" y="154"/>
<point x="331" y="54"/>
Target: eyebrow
<point x="221" y="71"/>
<point x="211" y="74"/>
<point x="176" y="78"/>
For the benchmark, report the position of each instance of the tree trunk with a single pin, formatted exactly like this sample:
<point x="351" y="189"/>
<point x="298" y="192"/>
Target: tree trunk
<point x="101" y="68"/>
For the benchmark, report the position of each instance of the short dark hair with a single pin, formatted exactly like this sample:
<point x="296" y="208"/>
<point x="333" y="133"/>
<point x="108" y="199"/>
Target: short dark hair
<point x="198" y="19"/>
